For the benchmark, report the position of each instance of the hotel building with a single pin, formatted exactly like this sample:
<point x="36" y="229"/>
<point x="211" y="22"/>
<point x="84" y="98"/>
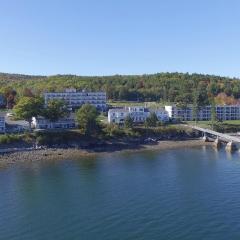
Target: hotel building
<point x="43" y="123"/>
<point x="223" y="112"/>
<point x="138" y="114"/>
<point x="75" y="99"/>
<point x="2" y="123"/>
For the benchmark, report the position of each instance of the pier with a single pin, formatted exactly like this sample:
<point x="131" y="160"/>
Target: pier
<point x="233" y="142"/>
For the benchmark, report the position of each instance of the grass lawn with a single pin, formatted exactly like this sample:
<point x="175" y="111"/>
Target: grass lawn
<point x="209" y="123"/>
<point x="232" y="122"/>
<point x="229" y="126"/>
<point x="203" y="124"/>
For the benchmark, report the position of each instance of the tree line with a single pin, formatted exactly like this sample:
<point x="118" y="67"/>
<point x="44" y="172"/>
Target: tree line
<point x="181" y="88"/>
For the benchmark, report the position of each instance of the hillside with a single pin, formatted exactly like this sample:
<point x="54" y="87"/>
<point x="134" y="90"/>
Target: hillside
<point x="7" y="77"/>
<point x="168" y="87"/>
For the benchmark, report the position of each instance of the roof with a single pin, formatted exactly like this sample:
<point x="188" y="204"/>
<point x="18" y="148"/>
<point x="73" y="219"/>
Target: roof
<point x="69" y="92"/>
<point x="118" y="110"/>
<point x="70" y="117"/>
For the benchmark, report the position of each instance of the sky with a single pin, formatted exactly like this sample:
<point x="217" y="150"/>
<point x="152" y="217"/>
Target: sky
<point x="106" y="37"/>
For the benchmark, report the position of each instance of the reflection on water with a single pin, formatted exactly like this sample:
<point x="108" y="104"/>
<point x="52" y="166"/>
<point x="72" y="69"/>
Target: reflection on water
<point x="174" y="194"/>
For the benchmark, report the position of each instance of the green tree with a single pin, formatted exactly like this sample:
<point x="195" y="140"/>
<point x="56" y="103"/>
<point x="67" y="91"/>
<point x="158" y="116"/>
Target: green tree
<point x="152" y="120"/>
<point x="113" y="130"/>
<point x="196" y="105"/>
<point x="128" y="123"/>
<point x="123" y="93"/>
<point x="236" y="91"/>
<point x="55" y="110"/>
<point x="27" y="108"/>
<point x="213" y="114"/>
<point x="87" y="119"/>
<point x="213" y="88"/>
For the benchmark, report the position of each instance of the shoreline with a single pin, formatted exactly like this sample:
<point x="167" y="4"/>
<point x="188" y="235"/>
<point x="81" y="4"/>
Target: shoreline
<point x="56" y="154"/>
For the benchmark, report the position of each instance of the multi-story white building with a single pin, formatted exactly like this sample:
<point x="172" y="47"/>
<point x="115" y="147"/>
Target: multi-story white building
<point x="2" y="123"/>
<point x="75" y="99"/>
<point x="223" y="112"/>
<point x="117" y="115"/>
<point x="138" y="114"/>
<point x="43" y="123"/>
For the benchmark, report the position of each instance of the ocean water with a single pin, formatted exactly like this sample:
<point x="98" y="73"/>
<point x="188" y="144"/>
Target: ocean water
<point x="188" y="193"/>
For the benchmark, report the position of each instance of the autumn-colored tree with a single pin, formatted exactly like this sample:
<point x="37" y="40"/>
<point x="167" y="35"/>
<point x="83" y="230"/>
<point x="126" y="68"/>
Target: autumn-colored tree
<point x="10" y="96"/>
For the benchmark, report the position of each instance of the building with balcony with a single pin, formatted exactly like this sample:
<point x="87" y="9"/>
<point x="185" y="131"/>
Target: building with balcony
<point x="43" y="123"/>
<point x="2" y="123"/>
<point x="139" y="114"/>
<point x="2" y="101"/>
<point x="223" y="112"/>
<point x="75" y="99"/>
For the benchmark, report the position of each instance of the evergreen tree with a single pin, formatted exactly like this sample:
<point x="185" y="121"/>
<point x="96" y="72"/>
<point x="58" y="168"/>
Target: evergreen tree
<point x="128" y="123"/>
<point x="213" y="113"/>
<point x="152" y="120"/>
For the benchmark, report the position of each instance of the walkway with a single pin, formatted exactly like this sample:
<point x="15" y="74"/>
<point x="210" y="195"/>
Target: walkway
<point x="223" y="136"/>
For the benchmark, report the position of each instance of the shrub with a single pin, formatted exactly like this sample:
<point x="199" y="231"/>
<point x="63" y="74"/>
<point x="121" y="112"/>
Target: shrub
<point x="113" y="130"/>
<point x="9" y="138"/>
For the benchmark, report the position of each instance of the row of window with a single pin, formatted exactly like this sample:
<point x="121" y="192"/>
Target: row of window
<point x="117" y="114"/>
<point x="79" y="98"/>
<point x="135" y="119"/>
<point x="79" y="103"/>
<point x="45" y="126"/>
<point x="74" y="95"/>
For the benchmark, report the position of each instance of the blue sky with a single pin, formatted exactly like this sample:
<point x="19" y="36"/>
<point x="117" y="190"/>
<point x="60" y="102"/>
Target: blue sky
<point x="104" y="37"/>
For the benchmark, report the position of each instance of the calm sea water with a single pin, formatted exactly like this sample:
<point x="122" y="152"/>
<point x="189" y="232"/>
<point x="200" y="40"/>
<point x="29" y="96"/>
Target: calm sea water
<point x="174" y="194"/>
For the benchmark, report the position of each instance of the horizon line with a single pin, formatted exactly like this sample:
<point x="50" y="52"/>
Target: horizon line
<point x="119" y="74"/>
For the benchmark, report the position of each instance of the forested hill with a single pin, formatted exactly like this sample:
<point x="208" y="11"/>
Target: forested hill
<point x="168" y="87"/>
<point x="8" y="77"/>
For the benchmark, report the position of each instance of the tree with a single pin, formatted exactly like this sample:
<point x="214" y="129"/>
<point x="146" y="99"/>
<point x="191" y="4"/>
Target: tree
<point x="10" y="96"/>
<point x="27" y="108"/>
<point x="196" y="104"/>
<point x="152" y="120"/>
<point x="128" y="122"/>
<point x="113" y="130"/>
<point x="27" y="92"/>
<point x="213" y="114"/>
<point x="213" y="88"/>
<point x="123" y="93"/>
<point x="236" y="91"/>
<point x="55" y="110"/>
<point x="87" y="119"/>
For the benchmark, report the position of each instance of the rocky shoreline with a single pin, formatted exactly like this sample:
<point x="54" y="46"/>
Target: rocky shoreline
<point x="49" y="154"/>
